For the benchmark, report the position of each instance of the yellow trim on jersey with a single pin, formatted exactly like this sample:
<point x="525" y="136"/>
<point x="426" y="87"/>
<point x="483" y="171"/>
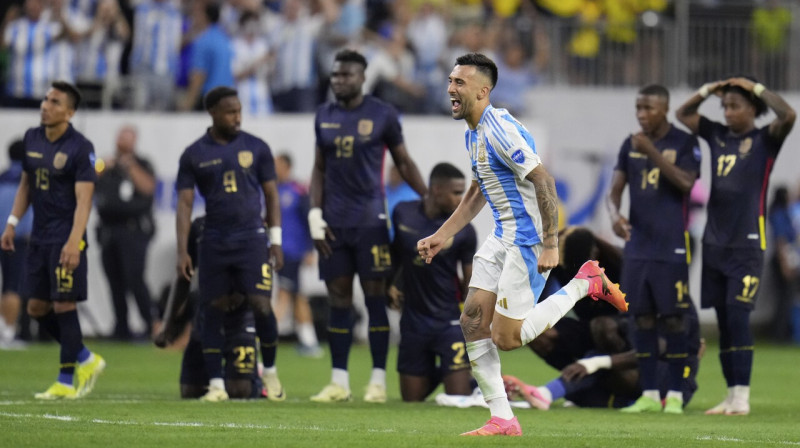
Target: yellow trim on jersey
<point x="762" y="232"/>
<point x="687" y="242"/>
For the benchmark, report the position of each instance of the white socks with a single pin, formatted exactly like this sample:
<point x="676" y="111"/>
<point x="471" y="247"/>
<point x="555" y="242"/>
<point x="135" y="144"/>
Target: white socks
<point x="675" y="394"/>
<point x="547" y="312"/>
<point x="216" y="383"/>
<point x="306" y="334"/>
<point x="485" y="362"/>
<point x="341" y="377"/>
<point x="378" y="377"/>
<point x="654" y="395"/>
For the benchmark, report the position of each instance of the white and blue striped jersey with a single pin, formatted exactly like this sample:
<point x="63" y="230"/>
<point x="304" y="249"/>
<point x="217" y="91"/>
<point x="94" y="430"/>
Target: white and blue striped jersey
<point x="253" y="90"/>
<point x="156" y="38"/>
<point x="502" y="153"/>
<point x="30" y="56"/>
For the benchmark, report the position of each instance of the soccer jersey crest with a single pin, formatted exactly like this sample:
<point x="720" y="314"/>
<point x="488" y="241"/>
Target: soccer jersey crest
<point x="59" y="160"/>
<point x="245" y="159"/>
<point x="745" y="146"/>
<point x="365" y="127"/>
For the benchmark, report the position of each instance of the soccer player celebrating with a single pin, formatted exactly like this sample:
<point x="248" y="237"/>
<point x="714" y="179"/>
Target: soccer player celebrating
<point x="232" y="170"/>
<point x="659" y="164"/>
<point x="510" y="269"/>
<point x="58" y="180"/>
<point x="429" y="327"/>
<point x="742" y="157"/>
<point x="347" y="219"/>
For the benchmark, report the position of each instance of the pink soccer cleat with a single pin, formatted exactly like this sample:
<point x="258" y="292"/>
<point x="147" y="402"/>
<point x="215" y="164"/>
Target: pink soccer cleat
<point x="600" y="287"/>
<point x="497" y="426"/>
<point x="517" y="388"/>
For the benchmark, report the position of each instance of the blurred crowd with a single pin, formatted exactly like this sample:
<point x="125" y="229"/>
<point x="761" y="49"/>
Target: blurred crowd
<point x="165" y="54"/>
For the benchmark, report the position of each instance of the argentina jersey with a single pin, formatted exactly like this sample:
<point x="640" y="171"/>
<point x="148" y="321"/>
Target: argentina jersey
<point x="502" y="152"/>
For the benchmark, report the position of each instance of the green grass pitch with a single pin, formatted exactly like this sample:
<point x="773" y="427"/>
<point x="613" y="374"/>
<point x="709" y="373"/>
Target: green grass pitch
<point x="136" y="404"/>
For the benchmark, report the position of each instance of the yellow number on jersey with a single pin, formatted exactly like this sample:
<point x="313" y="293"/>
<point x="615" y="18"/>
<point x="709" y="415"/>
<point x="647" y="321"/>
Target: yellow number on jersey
<point x="42" y="179"/>
<point x="460" y="350"/>
<point x="650" y="178"/>
<point x="245" y="357"/>
<point x="381" y="256"/>
<point x="725" y="164"/>
<point x="64" y="279"/>
<point x="750" y="287"/>
<point x="344" y="146"/>
<point x="229" y="181"/>
<point x="266" y="278"/>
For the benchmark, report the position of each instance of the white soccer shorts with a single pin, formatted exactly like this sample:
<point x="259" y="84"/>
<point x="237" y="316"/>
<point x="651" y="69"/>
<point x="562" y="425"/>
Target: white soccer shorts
<point x="511" y="273"/>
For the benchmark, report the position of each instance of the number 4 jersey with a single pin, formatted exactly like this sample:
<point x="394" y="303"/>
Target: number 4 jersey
<point x="353" y="143"/>
<point x="658" y="209"/>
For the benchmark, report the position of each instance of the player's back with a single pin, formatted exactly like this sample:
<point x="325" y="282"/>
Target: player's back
<point x="353" y="143"/>
<point x="229" y="177"/>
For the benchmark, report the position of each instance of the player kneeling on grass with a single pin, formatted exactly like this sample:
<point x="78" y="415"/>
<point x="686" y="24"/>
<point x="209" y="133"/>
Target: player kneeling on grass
<point x="241" y="374"/>
<point x="432" y="348"/>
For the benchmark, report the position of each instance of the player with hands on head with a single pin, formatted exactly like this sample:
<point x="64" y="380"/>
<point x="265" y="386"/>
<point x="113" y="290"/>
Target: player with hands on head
<point x="510" y="269"/>
<point x="734" y="241"/>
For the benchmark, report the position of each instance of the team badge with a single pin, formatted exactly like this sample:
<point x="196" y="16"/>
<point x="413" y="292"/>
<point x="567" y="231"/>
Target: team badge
<point x="481" y="153"/>
<point x="670" y="155"/>
<point x="59" y="160"/>
<point x="518" y="157"/>
<point x="745" y="146"/>
<point x="365" y="127"/>
<point x="245" y="159"/>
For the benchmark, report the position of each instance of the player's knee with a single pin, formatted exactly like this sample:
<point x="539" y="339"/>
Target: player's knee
<point x="239" y="389"/>
<point x="505" y="341"/>
<point x="192" y="391"/>
<point x="341" y="301"/>
<point x="38" y="308"/>
<point x="260" y="304"/>
<point x="646" y="322"/>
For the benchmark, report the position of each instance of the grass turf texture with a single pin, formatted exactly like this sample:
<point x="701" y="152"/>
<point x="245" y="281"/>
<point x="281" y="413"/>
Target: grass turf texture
<point x="136" y="403"/>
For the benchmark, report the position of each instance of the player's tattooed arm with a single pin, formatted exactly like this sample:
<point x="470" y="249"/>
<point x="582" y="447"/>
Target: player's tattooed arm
<point x="547" y="199"/>
<point x="688" y="112"/>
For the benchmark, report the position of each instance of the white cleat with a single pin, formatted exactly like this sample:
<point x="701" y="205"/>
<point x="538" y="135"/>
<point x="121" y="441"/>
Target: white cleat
<point x="215" y="394"/>
<point x="332" y="393"/>
<point x="376" y="393"/>
<point x="275" y="390"/>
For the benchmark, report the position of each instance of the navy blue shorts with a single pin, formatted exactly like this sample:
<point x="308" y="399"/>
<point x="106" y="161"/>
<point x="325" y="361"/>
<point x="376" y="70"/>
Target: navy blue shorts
<point x="731" y="276"/>
<point x="239" y="354"/>
<point x="289" y="276"/>
<point x="13" y="266"/>
<point x="362" y="251"/>
<point x="45" y="280"/>
<point x="419" y="352"/>
<point x="234" y="266"/>
<point x="656" y="287"/>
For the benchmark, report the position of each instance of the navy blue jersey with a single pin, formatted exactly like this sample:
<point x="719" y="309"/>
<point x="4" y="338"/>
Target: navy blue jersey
<point x="740" y="169"/>
<point x="294" y="220"/>
<point x="658" y="209"/>
<point x="229" y="177"/>
<point x="431" y="290"/>
<point x="53" y="168"/>
<point x="353" y="143"/>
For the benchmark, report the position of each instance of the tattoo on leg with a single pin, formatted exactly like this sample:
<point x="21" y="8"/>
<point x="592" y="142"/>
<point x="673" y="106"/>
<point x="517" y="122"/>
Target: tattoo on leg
<point x="471" y="321"/>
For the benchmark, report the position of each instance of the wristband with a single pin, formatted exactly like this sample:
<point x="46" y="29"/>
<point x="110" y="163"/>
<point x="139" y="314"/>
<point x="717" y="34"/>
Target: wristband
<point x="758" y="89"/>
<point x="276" y="236"/>
<point x="595" y="363"/>
<point x="12" y="221"/>
<point x="703" y="92"/>
<point x="316" y="224"/>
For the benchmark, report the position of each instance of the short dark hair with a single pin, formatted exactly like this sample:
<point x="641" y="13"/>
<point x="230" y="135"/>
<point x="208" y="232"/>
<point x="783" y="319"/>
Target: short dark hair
<point x="482" y="63"/>
<point x="215" y="95"/>
<point x="655" y="90"/>
<point x="758" y="104"/>
<point x="353" y="56"/>
<point x="72" y="92"/>
<point x="212" y="11"/>
<point x="443" y="172"/>
<point x="16" y="150"/>
<point x="286" y="158"/>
